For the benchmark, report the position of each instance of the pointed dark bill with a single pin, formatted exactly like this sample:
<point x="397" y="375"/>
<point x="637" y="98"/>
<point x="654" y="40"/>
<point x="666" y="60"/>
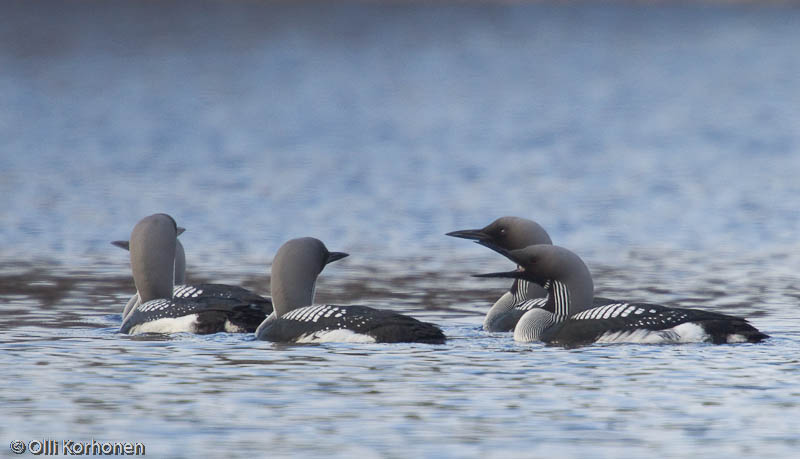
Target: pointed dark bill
<point x="333" y="256"/>
<point x="473" y="234"/>
<point x="518" y="273"/>
<point x="181" y="230"/>
<point x="122" y="244"/>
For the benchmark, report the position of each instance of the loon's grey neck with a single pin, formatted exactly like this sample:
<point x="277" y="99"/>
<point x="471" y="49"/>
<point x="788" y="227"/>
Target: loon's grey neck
<point x="520" y="291"/>
<point x="179" y="268"/>
<point x="294" y="273"/>
<point x="180" y="264"/>
<point x="523" y="290"/>
<point x="562" y="302"/>
<point x="152" y="250"/>
<point x="130" y="305"/>
<point x="569" y="294"/>
<point x="290" y="292"/>
<point x="180" y="279"/>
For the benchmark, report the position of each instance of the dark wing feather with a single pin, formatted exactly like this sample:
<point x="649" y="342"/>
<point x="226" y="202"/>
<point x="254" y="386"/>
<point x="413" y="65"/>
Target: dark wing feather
<point x="587" y="326"/>
<point x="223" y="291"/>
<point x="508" y="321"/>
<point x="383" y="326"/>
<point x="213" y="303"/>
<point x="600" y="301"/>
<point x="239" y="306"/>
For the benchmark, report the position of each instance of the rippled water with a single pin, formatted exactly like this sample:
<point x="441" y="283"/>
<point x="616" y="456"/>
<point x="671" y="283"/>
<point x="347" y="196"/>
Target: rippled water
<point x="658" y="142"/>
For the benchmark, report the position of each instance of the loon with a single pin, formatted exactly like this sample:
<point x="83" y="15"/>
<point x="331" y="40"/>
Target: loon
<point x="297" y="319"/>
<point x="512" y="233"/>
<point x="181" y="290"/>
<point x="202" y="308"/>
<point x="569" y="317"/>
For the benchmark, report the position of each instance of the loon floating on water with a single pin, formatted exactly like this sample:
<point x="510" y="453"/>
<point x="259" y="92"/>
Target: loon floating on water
<point x="569" y="317"/>
<point x="297" y="319"/>
<point x="201" y="308"/>
<point x="512" y="233"/>
<point x="182" y="291"/>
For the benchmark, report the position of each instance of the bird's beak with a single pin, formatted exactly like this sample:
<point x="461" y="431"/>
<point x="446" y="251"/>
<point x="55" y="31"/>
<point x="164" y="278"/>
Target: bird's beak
<point x="333" y="256"/>
<point x="518" y="273"/>
<point x="181" y="230"/>
<point x="472" y="234"/>
<point x="122" y="244"/>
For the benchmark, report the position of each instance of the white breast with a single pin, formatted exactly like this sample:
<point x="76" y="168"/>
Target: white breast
<point x="335" y="336"/>
<point x="167" y="325"/>
<point x="232" y="328"/>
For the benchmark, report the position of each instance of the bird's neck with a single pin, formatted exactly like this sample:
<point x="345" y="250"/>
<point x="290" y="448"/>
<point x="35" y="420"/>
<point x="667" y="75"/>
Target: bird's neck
<point x="565" y="299"/>
<point x="180" y="264"/>
<point x="523" y="290"/>
<point x="287" y="297"/>
<point x="153" y="272"/>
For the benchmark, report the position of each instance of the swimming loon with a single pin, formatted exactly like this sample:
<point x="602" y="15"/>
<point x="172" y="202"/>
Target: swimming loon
<point x="202" y="308"/>
<point x="569" y="317"/>
<point x="187" y="291"/>
<point x="512" y="233"/>
<point x="297" y="319"/>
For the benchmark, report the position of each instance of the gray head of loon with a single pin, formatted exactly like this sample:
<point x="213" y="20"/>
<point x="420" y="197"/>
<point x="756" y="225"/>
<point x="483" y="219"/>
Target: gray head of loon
<point x="551" y="266"/>
<point x="180" y="257"/>
<point x="294" y="272"/>
<point x="509" y="233"/>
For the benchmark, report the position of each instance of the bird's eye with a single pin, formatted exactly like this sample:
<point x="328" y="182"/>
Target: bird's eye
<point x="503" y="231"/>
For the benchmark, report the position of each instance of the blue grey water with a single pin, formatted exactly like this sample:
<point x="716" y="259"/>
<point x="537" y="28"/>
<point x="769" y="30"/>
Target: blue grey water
<point x="660" y="142"/>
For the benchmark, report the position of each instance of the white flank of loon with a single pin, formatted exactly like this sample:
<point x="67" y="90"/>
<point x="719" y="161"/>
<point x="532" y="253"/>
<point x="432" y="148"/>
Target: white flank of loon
<point x="571" y="318"/>
<point x="512" y="233"/>
<point x="340" y="335"/>
<point x="160" y="307"/>
<point x="297" y="319"/>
